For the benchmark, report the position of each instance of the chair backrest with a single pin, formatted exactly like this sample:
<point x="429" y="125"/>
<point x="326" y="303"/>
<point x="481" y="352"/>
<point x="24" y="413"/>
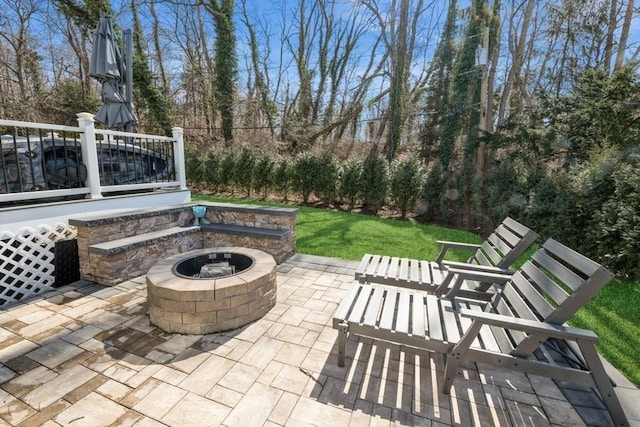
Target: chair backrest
<point x="550" y="287"/>
<point x="505" y="245"/>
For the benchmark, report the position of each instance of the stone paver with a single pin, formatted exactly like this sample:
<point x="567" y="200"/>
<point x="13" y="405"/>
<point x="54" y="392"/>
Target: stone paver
<point x="87" y="355"/>
<point x="94" y="410"/>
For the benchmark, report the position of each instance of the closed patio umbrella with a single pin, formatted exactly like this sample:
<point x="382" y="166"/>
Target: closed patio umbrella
<point x="106" y="66"/>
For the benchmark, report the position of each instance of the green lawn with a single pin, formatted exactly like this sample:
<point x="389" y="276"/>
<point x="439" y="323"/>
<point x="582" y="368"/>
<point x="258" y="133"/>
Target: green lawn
<point x="614" y="313"/>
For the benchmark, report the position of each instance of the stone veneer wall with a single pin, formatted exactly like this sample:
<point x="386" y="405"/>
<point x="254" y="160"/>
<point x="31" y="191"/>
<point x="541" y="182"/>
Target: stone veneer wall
<point x="280" y="249"/>
<point x="111" y="269"/>
<point x="132" y="260"/>
<point x="253" y="216"/>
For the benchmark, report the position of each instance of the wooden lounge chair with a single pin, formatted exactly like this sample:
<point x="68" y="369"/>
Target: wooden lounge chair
<point x="501" y="249"/>
<point x="521" y="328"/>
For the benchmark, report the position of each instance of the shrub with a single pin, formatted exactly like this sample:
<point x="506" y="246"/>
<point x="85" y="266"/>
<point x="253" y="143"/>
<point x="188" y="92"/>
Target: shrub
<point x="282" y="177"/>
<point x="244" y="170"/>
<point x="433" y="194"/>
<point x="617" y="224"/>
<point x="263" y="174"/>
<point x="350" y="181"/>
<point x="406" y="183"/>
<point x="325" y="178"/>
<point x="551" y="209"/>
<point x="303" y="175"/>
<point x="228" y="170"/>
<point x="211" y="170"/>
<point x="375" y="181"/>
<point x="505" y="196"/>
<point x="193" y="166"/>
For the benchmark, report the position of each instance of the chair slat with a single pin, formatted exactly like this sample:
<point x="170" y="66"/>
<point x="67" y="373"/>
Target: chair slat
<point x="516" y="227"/>
<point x="388" y="310"/>
<point x="433" y="318"/>
<point x="450" y="320"/>
<point x="404" y="309"/>
<point x="567" y="276"/>
<point x="415" y="271"/>
<point x="481" y="259"/>
<point x="539" y="305"/>
<point x="417" y="314"/>
<point x="508" y="239"/>
<point x="373" y="309"/>
<point x="393" y="267"/>
<point x="425" y="272"/>
<point x="499" y="245"/>
<point x="506" y="338"/>
<point x="465" y="322"/>
<point x="383" y="266"/>
<point x="347" y="302"/>
<point x="373" y="265"/>
<point x="362" y="267"/>
<point x="404" y="269"/>
<point x="544" y="283"/>
<point x="576" y="260"/>
<point x="490" y="252"/>
<point x="360" y="305"/>
<point x="516" y="301"/>
<point x="486" y="335"/>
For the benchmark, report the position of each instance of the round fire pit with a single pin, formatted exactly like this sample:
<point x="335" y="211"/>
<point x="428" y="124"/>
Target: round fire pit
<point x="212" y="265"/>
<point x="211" y="290"/>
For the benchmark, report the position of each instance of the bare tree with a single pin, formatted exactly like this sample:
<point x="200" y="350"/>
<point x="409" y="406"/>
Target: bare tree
<point x="22" y="79"/>
<point x="324" y="53"/>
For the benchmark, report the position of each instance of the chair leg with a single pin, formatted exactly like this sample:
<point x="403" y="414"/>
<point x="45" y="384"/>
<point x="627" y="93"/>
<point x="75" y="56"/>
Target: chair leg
<point x="603" y="383"/>
<point x="450" y="368"/>
<point x="456" y="354"/>
<point x="342" y="342"/>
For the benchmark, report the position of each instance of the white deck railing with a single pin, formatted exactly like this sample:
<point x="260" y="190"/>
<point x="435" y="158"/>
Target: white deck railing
<point x="39" y="161"/>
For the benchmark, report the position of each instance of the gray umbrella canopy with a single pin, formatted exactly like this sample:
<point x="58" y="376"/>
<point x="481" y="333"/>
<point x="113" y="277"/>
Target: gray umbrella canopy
<point x="106" y="66"/>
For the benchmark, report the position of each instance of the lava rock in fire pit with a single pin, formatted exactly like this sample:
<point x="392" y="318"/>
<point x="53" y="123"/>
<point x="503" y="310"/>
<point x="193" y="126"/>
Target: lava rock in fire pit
<point x="216" y="269"/>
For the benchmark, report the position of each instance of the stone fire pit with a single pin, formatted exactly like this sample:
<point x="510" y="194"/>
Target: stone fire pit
<point x="211" y="290"/>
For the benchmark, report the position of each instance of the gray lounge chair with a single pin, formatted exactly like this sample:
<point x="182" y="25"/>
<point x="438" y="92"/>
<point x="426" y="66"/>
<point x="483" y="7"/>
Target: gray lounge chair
<point x="521" y="328"/>
<point x="501" y="249"/>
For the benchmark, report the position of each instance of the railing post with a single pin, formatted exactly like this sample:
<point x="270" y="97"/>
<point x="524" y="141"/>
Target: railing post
<point x="90" y="154"/>
<point x="181" y="174"/>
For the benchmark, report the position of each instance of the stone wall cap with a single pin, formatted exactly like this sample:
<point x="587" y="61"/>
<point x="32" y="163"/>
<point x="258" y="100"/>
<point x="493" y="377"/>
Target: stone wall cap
<point x="271" y="210"/>
<point x="129" y="215"/>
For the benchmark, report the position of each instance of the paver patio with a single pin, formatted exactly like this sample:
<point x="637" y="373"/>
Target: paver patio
<point x="86" y="355"/>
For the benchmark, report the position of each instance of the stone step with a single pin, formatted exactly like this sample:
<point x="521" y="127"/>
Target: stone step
<point x="147" y="239"/>
<point x="245" y="231"/>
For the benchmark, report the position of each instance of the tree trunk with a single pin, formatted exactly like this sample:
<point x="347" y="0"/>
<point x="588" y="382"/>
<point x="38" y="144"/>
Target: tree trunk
<point x="624" y="36"/>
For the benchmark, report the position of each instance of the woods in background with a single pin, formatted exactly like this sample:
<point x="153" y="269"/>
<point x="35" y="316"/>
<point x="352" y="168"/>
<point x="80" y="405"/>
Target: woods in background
<point x="527" y="108"/>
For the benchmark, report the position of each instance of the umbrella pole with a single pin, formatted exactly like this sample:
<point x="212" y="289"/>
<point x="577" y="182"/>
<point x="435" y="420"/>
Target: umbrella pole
<point x="128" y="61"/>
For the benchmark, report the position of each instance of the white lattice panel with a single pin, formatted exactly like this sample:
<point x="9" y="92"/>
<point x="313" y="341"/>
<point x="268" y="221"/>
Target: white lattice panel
<point x="27" y="260"/>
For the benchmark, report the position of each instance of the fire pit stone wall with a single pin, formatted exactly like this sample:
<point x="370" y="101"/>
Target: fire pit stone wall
<point x="117" y="247"/>
<point x="202" y="306"/>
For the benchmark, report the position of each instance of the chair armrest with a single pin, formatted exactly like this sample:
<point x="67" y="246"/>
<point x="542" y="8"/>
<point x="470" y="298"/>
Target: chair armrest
<point x="480" y="275"/>
<point x="530" y="326"/>
<point x="461" y="275"/>
<point x="477" y="267"/>
<point x="446" y="245"/>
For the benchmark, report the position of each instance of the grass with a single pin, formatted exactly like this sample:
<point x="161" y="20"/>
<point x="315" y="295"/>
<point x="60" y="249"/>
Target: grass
<point x="613" y="313"/>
